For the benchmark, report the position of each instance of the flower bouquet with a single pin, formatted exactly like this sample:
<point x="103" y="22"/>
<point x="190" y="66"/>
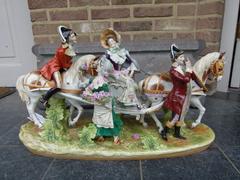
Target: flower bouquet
<point x="97" y="91"/>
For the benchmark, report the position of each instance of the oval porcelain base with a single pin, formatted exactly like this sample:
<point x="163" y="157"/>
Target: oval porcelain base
<point x="198" y="139"/>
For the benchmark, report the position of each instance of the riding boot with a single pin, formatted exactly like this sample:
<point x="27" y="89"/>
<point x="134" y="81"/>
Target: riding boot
<point x="164" y="133"/>
<point x="177" y="133"/>
<point x="44" y="99"/>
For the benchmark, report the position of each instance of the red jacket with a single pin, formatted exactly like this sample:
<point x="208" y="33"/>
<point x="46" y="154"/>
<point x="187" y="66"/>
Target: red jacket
<point x="58" y="62"/>
<point x="176" y="97"/>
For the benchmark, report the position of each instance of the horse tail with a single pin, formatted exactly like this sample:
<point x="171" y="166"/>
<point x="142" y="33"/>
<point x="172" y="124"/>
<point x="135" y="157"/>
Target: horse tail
<point x="20" y="88"/>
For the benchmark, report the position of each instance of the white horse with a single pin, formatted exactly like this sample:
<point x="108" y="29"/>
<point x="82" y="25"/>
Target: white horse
<point x="32" y="86"/>
<point x="208" y="69"/>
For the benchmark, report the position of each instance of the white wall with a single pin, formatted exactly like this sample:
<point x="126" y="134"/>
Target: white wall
<point x="228" y="40"/>
<point x="16" y="42"/>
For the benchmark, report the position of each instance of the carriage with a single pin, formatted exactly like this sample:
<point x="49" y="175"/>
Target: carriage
<point x="151" y="91"/>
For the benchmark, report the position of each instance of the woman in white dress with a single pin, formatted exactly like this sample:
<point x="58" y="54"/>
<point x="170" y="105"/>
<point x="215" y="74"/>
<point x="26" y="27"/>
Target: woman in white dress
<point x="124" y="66"/>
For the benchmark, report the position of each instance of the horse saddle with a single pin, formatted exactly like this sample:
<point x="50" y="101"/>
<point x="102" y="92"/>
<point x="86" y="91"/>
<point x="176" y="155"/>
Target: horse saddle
<point x="38" y="81"/>
<point x="156" y="88"/>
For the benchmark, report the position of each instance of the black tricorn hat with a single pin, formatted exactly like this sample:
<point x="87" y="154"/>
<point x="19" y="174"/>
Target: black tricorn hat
<point x="64" y="33"/>
<point x="175" y="51"/>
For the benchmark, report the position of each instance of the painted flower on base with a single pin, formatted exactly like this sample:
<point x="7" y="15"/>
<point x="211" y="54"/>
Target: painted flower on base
<point x="136" y="136"/>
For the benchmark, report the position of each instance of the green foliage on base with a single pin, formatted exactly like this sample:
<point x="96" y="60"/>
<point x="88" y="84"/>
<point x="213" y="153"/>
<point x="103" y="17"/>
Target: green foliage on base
<point x="79" y="144"/>
<point x="87" y="134"/>
<point x="151" y="142"/>
<point x="56" y="125"/>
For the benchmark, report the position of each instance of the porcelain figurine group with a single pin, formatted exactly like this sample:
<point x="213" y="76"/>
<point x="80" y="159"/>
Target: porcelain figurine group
<point x="108" y="83"/>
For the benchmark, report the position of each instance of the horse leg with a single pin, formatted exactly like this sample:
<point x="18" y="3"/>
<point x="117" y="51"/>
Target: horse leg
<point x="157" y="121"/>
<point x="195" y="100"/>
<point x="70" y="114"/>
<point x="31" y="105"/>
<point x="40" y="118"/>
<point x="138" y="117"/>
<point x="80" y="110"/>
<point x="142" y="116"/>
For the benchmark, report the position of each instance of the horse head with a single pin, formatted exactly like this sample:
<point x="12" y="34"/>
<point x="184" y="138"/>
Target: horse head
<point x="77" y="75"/>
<point x="214" y="71"/>
<point x="92" y="66"/>
<point x="210" y="67"/>
<point x="217" y="67"/>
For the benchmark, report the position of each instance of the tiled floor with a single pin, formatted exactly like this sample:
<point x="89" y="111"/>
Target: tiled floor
<point x="220" y="161"/>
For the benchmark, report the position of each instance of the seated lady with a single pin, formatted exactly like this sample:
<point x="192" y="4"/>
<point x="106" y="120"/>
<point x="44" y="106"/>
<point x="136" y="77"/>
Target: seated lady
<point x="124" y="65"/>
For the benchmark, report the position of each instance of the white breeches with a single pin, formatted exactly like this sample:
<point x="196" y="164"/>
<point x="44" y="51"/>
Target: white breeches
<point x="58" y="79"/>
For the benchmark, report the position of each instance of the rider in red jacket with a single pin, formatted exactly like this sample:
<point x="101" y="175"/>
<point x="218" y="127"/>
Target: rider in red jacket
<point x="60" y="62"/>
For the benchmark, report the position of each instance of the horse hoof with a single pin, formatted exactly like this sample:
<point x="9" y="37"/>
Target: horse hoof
<point x="160" y="130"/>
<point x="71" y="124"/>
<point x="40" y="118"/>
<point x="145" y="125"/>
<point x="39" y="125"/>
<point x="194" y="125"/>
<point x="138" y="117"/>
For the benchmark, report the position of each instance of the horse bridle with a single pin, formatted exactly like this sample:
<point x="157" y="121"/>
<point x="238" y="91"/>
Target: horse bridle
<point x="215" y="68"/>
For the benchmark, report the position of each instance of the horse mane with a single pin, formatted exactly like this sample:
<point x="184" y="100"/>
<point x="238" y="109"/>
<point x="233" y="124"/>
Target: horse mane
<point x="71" y="73"/>
<point x="204" y="63"/>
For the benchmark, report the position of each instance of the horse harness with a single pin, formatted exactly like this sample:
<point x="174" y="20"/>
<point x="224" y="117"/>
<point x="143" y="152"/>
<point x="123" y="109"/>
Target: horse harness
<point x="37" y="83"/>
<point x="92" y="68"/>
<point x="158" y="89"/>
<point x="216" y="68"/>
<point x="48" y="84"/>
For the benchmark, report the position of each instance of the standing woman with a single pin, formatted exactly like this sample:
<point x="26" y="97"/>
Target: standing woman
<point x="108" y="123"/>
<point x="60" y="62"/>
